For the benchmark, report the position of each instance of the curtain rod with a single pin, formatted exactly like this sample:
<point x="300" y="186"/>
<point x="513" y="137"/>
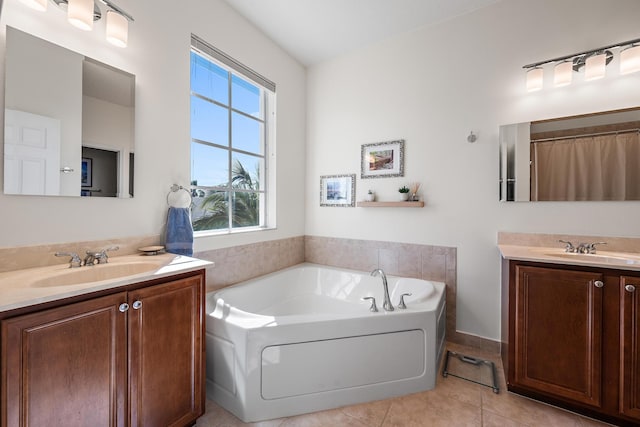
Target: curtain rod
<point x="586" y="135"/>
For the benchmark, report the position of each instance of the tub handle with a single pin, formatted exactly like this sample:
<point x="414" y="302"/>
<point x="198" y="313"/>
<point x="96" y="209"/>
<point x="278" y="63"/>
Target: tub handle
<point x="374" y="307"/>
<point x="401" y="304"/>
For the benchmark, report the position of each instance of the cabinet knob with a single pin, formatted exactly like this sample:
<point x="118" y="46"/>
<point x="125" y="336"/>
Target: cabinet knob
<point x="598" y="283"/>
<point x="123" y="307"/>
<point x="137" y="304"/>
<point x="630" y="288"/>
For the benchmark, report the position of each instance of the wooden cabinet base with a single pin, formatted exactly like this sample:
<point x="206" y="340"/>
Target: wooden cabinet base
<point x="571" y="338"/>
<point x="133" y="358"/>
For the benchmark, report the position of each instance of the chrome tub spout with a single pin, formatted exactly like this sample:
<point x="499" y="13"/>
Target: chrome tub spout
<point x="387" y="301"/>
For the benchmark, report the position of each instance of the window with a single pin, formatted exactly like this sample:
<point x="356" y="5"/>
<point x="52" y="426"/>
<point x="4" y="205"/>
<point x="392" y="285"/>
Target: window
<point x="232" y="108"/>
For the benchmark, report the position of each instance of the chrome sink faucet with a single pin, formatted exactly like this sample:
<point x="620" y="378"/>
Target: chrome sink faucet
<point x="75" y="260"/>
<point x="387" y="301"/>
<point x="582" y="248"/>
<point x="569" y="246"/>
<point x="99" y="257"/>
<point x="588" y="248"/>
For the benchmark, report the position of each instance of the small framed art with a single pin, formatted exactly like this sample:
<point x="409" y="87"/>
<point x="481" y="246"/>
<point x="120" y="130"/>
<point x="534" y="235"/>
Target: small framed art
<point x="338" y="190"/>
<point x="383" y="159"/>
<point x="86" y="175"/>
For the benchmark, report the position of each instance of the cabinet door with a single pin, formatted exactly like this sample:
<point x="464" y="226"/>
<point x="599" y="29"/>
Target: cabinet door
<point x="558" y="333"/>
<point x="66" y="366"/>
<point x="630" y="347"/>
<point x="166" y="353"/>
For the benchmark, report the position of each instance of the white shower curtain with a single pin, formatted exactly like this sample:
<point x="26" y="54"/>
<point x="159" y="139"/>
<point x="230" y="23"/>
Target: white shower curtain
<point x="605" y="167"/>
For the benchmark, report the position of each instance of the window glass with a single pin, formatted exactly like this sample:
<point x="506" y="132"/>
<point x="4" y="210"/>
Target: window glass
<point x="246" y="97"/>
<point x="209" y="80"/>
<point x="209" y="122"/>
<point x="247" y="133"/>
<point x="228" y="147"/>
<point x="209" y="165"/>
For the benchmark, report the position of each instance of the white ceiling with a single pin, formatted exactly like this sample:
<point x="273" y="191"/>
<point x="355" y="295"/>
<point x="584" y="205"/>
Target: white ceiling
<point x="316" y="30"/>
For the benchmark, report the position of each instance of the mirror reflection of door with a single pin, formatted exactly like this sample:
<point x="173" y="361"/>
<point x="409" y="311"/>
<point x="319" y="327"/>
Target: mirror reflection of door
<point x="103" y="179"/>
<point x="31" y="154"/>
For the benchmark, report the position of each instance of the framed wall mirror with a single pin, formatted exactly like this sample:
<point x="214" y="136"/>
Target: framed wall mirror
<point x="69" y="122"/>
<point x="593" y="157"/>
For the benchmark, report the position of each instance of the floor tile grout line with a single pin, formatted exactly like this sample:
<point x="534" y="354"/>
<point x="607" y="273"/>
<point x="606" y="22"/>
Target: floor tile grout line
<point x="386" y="414"/>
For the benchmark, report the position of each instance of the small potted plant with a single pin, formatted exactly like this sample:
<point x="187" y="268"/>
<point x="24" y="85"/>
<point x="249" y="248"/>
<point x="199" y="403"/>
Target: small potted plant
<point x="404" y="193"/>
<point x="370" y="196"/>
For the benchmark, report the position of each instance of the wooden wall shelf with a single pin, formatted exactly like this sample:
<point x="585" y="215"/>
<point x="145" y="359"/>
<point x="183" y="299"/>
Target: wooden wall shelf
<point x="390" y="204"/>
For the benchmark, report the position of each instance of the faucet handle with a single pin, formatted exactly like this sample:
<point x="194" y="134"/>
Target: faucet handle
<point x="102" y="257"/>
<point x="401" y="304"/>
<point x="374" y="307"/>
<point x="591" y="247"/>
<point x="75" y="260"/>
<point x="569" y="246"/>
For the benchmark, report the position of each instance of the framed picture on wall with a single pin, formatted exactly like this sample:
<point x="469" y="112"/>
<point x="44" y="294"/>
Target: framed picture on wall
<point x="383" y="159"/>
<point x="86" y="174"/>
<point x="338" y="190"/>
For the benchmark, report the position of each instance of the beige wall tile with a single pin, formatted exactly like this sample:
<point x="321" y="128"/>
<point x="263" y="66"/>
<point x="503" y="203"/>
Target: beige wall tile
<point x="21" y="257"/>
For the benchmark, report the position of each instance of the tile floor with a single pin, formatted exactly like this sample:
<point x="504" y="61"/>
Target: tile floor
<point x="454" y="402"/>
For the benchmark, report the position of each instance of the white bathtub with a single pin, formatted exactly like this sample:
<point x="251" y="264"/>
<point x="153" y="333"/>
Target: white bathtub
<point x="302" y="340"/>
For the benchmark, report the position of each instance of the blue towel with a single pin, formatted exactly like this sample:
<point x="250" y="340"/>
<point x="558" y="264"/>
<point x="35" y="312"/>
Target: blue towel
<point x="179" y="239"/>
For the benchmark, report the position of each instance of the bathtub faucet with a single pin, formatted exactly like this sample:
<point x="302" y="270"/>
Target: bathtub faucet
<point x="387" y="301"/>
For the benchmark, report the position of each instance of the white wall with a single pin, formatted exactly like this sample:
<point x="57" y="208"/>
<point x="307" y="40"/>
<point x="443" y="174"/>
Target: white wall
<point x="158" y="54"/>
<point x="432" y="87"/>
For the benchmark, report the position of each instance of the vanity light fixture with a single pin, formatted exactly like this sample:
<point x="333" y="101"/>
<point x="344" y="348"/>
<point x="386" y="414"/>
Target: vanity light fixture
<point x="593" y="61"/>
<point x="83" y="13"/>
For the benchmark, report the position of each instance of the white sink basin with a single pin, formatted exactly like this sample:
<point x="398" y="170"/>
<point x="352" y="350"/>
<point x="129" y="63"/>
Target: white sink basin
<point x="96" y="273"/>
<point x="604" y="258"/>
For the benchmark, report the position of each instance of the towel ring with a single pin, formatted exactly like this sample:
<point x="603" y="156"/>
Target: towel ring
<point x="174" y="189"/>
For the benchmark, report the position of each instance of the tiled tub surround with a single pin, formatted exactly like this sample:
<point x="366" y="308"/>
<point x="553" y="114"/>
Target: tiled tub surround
<point x="239" y="263"/>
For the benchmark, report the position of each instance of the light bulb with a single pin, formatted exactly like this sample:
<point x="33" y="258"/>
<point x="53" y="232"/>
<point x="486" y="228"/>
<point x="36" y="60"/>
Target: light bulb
<point x="534" y="79"/>
<point x="563" y="74"/>
<point x="630" y="60"/>
<point x="117" y="29"/>
<point x="80" y="14"/>
<point x="595" y="66"/>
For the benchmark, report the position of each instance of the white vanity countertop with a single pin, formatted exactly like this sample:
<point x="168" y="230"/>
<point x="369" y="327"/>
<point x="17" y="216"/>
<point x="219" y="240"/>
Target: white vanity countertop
<point x="604" y="259"/>
<point x="21" y="288"/>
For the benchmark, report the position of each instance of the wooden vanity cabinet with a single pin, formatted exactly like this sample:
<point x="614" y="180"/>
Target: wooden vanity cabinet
<point x="131" y="358"/>
<point x="572" y="338"/>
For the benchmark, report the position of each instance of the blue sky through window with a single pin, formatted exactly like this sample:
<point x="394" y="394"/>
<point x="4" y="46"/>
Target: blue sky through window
<point x="228" y="132"/>
<point x="214" y="121"/>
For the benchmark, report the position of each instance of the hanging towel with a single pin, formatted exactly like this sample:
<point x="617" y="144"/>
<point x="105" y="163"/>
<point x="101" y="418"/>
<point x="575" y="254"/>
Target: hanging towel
<point x="179" y="239"/>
